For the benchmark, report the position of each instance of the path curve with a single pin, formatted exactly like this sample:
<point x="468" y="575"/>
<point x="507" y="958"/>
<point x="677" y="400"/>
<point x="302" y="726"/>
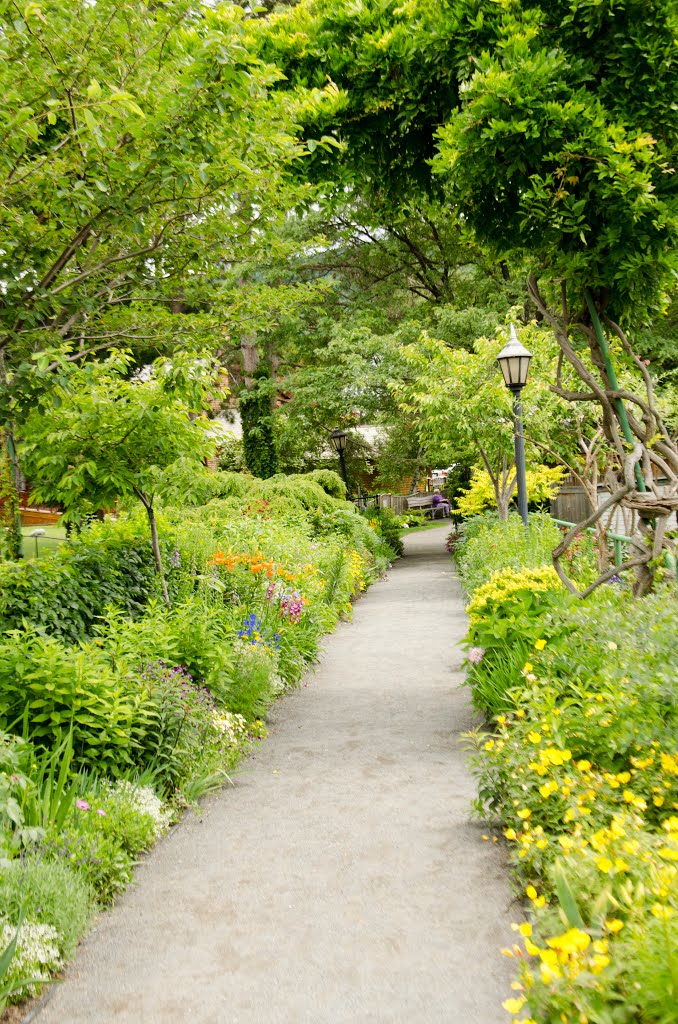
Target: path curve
<point x="340" y="881"/>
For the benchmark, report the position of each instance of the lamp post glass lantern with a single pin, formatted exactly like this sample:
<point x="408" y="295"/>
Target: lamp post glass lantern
<point x="338" y="437"/>
<point x="514" y="362"/>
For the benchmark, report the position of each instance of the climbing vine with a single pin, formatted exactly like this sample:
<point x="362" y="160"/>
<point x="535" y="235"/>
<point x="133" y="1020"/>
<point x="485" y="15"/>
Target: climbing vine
<point x="9" y="503"/>
<point x="258" y="442"/>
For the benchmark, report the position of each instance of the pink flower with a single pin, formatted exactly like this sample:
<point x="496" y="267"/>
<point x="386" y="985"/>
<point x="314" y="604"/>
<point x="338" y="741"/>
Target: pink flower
<point x="101" y="813"/>
<point x="475" y="655"/>
<point x="82" y="805"/>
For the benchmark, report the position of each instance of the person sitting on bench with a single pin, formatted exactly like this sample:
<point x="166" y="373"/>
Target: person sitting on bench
<point x="437" y="501"/>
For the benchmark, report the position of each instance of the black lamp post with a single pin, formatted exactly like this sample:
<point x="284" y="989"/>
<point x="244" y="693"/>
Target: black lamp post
<point x="514" y="361"/>
<point x="338" y="437"/>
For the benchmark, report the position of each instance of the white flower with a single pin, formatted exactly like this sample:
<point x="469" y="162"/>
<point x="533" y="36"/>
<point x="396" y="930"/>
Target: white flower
<point x="36" y="955"/>
<point x="144" y="800"/>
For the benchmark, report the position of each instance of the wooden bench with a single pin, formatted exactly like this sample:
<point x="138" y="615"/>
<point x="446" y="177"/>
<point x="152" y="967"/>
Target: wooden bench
<point x="425" y="503"/>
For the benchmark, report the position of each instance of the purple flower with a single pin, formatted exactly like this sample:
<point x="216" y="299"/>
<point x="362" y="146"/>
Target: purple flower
<point x="175" y="559"/>
<point x="82" y="805"/>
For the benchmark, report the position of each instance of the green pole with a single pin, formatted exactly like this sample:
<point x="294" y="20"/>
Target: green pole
<point x="612" y="377"/>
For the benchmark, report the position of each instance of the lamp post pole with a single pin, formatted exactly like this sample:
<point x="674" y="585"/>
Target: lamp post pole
<point x="338" y="438"/>
<point x="342" y="460"/>
<point x="519" y="441"/>
<point x="514" y="362"/>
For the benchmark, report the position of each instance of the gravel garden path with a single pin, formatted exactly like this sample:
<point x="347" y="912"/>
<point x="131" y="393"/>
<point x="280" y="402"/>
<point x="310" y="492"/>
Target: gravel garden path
<point x="340" y="881"/>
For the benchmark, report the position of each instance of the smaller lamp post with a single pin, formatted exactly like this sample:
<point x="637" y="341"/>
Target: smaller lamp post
<point x="514" y="361"/>
<point x="37" y="533"/>
<point x="339" y="441"/>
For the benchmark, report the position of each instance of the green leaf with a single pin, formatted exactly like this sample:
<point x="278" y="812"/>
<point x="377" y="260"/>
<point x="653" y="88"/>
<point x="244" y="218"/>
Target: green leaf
<point x="566" y="897"/>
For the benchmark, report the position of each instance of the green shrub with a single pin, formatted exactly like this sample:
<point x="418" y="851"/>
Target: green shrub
<point x="54" y="689"/>
<point x="388" y="526"/>
<point x="613" y="645"/>
<point x="507" y="614"/>
<point x="230" y="453"/>
<point x="193" y="634"/>
<point x="252" y="687"/>
<point x="48" y="892"/>
<point x="582" y="769"/>
<point x="330" y="482"/>
<point x="487" y="545"/>
<point x="97" y="858"/>
<point x="64" y="592"/>
<point x="302" y="489"/>
<point x="182" y="732"/>
<point x="104" y="833"/>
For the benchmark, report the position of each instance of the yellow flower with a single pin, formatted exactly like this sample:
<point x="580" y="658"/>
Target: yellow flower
<point x="531" y="892"/>
<point x="524" y="813"/>
<point x="604" y="864"/>
<point x="599" y="962"/>
<point x="662" y="912"/>
<point x="540" y="644"/>
<point x="510" y="833"/>
<point x="534" y="737"/>
<point x="668" y="853"/>
<point x="514" y="1005"/>
<point x="572" y="941"/>
<point x="525" y="929"/>
<point x="566" y="842"/>
<point x="528" y="666"/>
<point x="615" y="925"/>
<point x="489" y="745"/>
<point x="549" y="974"/>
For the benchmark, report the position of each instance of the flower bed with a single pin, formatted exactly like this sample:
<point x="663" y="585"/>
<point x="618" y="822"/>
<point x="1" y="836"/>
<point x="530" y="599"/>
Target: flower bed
<point x="581" y="769"/>
<point x="117" y="711"/>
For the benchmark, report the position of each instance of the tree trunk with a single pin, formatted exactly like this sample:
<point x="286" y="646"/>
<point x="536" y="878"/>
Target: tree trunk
<point x="148" y="505"/>
<point x="250" y="358"/>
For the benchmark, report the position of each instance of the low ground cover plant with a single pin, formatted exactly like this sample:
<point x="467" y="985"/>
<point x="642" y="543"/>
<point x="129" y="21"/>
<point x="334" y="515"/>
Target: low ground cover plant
<point x="579" y="766"/>
<point x="117" y="710"/>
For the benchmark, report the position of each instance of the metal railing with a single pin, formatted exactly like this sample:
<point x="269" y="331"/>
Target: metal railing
<point x="37" y="535"/>
<point x="366" y="501"/>
<point x="619" y="539"/>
